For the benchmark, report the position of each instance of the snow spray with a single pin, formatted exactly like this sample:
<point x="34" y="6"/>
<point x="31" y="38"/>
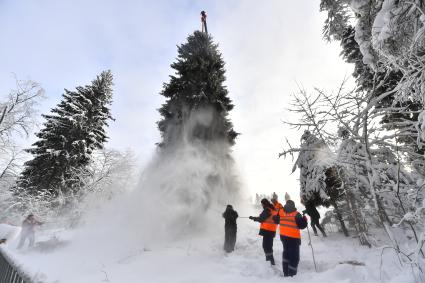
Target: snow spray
<point x="188" y="181"/>
<point x="181" y="194"/>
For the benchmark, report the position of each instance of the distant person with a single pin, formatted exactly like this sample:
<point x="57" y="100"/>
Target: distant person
<point x="230" y="228"/>
<point x="291" y="221"/>
<point x="268" y="227"/>
<point x="287" y="197"/>
<point x="311" y="210"/>
<point x="277" y="205"/>
<point x="28" y="230"/>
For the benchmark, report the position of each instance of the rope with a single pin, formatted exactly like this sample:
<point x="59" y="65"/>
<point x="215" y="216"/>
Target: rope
<point x="312" y="251"/>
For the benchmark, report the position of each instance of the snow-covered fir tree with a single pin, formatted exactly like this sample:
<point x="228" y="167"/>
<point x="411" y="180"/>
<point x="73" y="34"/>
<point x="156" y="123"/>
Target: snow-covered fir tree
<point x="197" y="86"/>
<point x="320" y="183"/>
<point x="338" y="16"/>
<point x="399" y="116"/>
<point x="76" y="127"/>
<point x="386" y="46"/>
<point x="313" y="160"/>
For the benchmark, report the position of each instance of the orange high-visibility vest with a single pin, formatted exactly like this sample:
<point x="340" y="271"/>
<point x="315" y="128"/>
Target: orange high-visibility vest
<point x="269" y="224"/>
<point x="278" y="206"/>
<point x="288" y="225"/>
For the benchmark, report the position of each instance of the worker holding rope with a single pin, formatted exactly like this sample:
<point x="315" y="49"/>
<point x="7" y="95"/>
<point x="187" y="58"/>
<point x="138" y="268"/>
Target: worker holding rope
<point x="230" y="228"/>
<point x="291" y="221"/>
<point x="268" y="228"/>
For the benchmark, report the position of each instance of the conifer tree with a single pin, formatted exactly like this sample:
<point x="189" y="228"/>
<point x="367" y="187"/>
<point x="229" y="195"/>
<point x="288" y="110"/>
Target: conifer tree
<point x="197" y="86"/>
<point x="74" y="129"/>
<point x="383" y="80"/>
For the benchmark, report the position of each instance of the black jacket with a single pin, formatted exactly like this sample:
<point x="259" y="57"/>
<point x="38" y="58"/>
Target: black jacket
<point x="312" y="211"/>
<point x="230" y="217"/>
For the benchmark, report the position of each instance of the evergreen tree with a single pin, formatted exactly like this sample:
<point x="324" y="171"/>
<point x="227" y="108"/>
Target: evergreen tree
<point x="399" y="114"/>
<point x="71" y="133"/>
<point x="313" y="160"/>
<point x="337" y="18"/>
<point x="197" y="87"/>
<point x="380" y="81"/>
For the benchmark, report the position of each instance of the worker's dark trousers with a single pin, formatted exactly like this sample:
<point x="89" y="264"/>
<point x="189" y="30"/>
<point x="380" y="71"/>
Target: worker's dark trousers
<point x="315" y="223"/>
<point x="291" y="255"/>
<point x="204" y="27"/>
<point x="229" y="238"/>
<point x="268" y="248"/>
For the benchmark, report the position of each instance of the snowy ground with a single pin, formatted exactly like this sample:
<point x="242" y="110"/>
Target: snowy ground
<point x="201" y="259"/>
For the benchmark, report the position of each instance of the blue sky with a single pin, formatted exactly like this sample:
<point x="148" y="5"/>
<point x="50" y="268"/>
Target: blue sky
<point x="269" y="47"/>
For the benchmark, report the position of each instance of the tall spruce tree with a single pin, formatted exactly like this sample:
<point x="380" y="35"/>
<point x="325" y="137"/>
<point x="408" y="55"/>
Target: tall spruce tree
<point x="71" y="133"/>
<point x="196" y="86"/>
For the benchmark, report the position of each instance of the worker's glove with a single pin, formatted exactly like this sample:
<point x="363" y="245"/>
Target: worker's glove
<point x="251" y="217"/>
<point x="305" y="218"/>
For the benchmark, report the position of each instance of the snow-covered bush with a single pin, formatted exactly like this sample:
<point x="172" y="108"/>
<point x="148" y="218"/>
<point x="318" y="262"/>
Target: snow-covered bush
<point x="350" y="161"/>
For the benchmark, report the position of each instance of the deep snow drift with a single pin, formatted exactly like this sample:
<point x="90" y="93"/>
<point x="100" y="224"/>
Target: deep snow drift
<point x="201" y="259"/>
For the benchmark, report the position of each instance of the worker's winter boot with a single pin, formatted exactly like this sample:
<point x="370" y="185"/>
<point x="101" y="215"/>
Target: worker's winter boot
<point x="271" y="259"/>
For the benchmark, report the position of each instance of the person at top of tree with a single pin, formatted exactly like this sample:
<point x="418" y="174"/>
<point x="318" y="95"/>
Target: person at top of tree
<point x="230" y="228"/>
<point x="267" y="228"/>
<point x="204" y="21"/>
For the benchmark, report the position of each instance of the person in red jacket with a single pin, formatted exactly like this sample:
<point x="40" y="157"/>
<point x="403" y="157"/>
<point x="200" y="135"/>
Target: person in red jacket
<point x="291" y="221"/>
<point x="267" y="228"/>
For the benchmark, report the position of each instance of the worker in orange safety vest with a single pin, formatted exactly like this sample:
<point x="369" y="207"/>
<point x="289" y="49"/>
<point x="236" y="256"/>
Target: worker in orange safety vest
<point x="268" y="228"/>
<point x="291" y="221"/>
<point x="277" y="205"/>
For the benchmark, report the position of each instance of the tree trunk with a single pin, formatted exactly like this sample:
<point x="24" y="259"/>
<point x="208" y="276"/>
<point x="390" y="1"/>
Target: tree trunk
<point x="372" y="175"/>
<point x="341" y="220"/>
<point x="359" y="222"/>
